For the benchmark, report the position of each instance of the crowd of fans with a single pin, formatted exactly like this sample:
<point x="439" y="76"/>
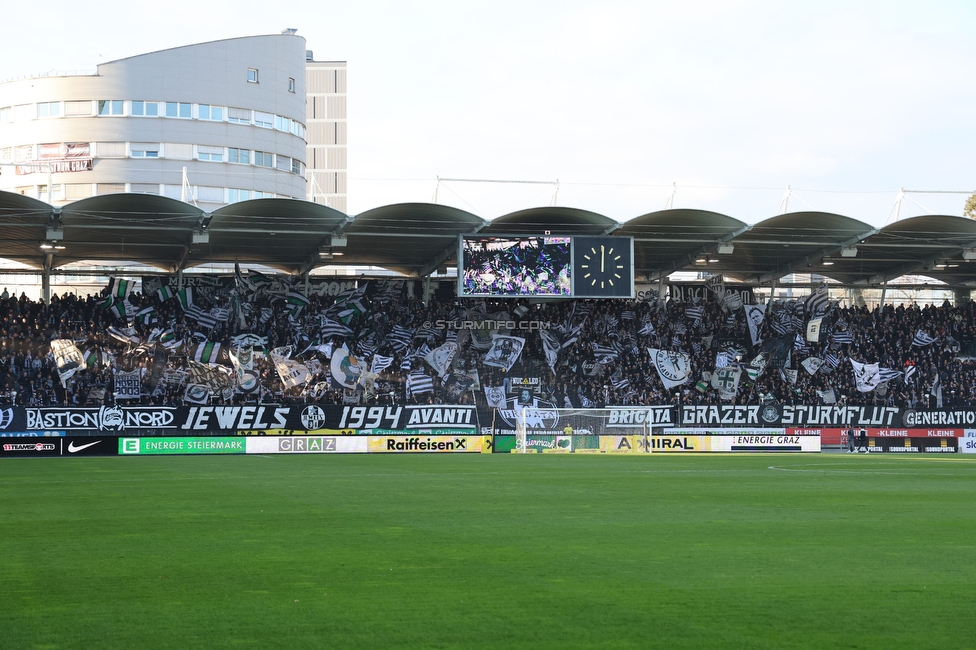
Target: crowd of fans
<point x="600" y="355"/>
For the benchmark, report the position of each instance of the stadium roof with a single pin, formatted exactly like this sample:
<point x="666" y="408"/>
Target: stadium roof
<point x="416" y="239"/>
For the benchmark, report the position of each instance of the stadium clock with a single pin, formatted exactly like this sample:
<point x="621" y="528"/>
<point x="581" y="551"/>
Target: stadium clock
<point x="603" y="267"/>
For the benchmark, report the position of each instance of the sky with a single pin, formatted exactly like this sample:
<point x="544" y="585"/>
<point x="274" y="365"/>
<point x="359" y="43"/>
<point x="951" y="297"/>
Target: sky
<point x="630" y="106"/>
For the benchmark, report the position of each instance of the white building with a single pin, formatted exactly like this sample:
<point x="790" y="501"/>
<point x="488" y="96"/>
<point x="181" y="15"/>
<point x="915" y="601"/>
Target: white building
<point x="325" y="114"/>
<point x="231" y="114"/>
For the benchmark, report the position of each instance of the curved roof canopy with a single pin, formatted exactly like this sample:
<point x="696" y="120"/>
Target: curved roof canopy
<point x="418" y="238"/>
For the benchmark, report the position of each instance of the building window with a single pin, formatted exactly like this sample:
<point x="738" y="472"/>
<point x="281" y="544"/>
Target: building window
<point x="6" y="115"/>
<point x="144" y="188"/>
<point x="207" y="112"/>
<point x="239" y="115"/>
<point x="49" y="109"/>
<point x="252" y="75"/>
<point x="110" y="150"/>
<point x="110" y="106"/>
<point x="283" y="163"/>
<point x="213" y="154"/>
<point x="178" y="109"/>
<point x="239" y="156"/>
<point x="296" y="166"/>
<point x="109" y="188"/>
<point x="144" y="150"/>
<point x="264" y="119"/>
<point x="77" y="109"/>
<point x="235" y="195"/>
<point x="291" y="84"/>
<point x="210" y="194"/>
<point x="149" y="109"/>
<point x="73" y="191"/>
<point x="263" y="159"/>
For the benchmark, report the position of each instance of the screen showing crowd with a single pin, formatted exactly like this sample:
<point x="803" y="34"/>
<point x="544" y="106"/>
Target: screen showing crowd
<point x="516" y="266"/>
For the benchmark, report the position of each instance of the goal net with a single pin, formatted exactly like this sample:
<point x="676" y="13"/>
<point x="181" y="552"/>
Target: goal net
<point x="579" y="431"/>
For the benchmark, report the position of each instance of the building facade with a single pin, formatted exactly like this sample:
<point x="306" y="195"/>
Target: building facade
<point x="211" y="123"/>
<point x="325" y="115"/>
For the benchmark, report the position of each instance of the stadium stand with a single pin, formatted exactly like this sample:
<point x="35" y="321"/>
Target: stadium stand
<point x="259" y="338"/>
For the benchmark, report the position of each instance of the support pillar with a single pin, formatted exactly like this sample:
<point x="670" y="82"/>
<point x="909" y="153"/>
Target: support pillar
<point x="46" y="279"/>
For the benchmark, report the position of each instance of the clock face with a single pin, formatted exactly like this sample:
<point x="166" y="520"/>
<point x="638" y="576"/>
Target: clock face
<point x="603" y="267"/>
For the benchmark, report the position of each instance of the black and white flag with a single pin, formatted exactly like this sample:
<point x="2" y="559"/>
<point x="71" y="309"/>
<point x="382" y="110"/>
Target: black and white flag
<point x="440" y="358"/>
<point x="867" y="375"/>
<point x="380" y="363"/>
<point x="755" y="315"/>
<point x="419" y="383"/>
<point x="128" y="385"/>
<point x="68" y="358"/>
<point x="674" y="368"/>
<point x="196" y="394"/>
<point x="495" y="396"/>
<point x="922" y="338"/>
<point x="504" y="352"/>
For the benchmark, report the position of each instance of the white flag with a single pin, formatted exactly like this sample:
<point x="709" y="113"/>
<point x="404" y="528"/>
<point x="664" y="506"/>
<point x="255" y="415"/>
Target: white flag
<point x="867" y="375"/>
<point x="128" y="385"/>
<point x="346" y="369"/>
<point x="68" y="358"/>
<point x="495" y="396"/>
<point x="812" y="364"/>
<point x="813" y="329"/>
<point x="726" y="380"/>
<point x="440" y="358"/>
<point x="290" y="372"/>
<point x="504" y="352"/>
<point x="674" y="368"/>
<point x="755" y="315"/>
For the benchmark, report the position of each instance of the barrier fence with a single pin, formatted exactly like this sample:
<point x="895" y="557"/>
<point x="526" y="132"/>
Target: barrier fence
<point x="328" y="428"/>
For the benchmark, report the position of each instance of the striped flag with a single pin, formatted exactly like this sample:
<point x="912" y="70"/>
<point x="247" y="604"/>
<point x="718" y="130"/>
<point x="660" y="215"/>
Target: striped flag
<point x="380" y="363"/>
<point x="120" y="288"/>
<point x="696" y="312"/>
<point x="296" y="302"/>
<point x="146" y="316"/>
<point x="203" y="319"/>
<point x="164" y="293"/>
<point x="185" y="296"/>
<point x="922" y="339"/>
<point x="329" y="327"/>
<point x="419" y="383"/>
<point x="843" y="336"/>
<point x="816" y="303"/>
<point x="207" y="352"/>
<point x="123" y="336"/>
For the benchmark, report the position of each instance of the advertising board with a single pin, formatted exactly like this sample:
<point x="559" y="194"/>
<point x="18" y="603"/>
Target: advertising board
<point x="400" y="444"/>
<point x="306" y="445"/>
<point x="180" y="446"/>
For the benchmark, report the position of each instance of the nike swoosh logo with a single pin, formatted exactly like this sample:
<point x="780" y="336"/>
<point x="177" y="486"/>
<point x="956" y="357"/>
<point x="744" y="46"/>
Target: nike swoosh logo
<point x="72" y="448"/>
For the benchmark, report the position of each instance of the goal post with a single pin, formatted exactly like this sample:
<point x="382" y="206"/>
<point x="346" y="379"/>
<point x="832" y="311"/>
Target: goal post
<point x="562" y="430"/>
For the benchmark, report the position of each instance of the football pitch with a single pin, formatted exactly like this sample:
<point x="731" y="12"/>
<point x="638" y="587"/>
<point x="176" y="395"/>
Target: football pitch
<point x="489" y="551"/>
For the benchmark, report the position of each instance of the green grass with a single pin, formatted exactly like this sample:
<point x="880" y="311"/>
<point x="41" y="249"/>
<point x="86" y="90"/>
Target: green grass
<point x="479" y="551"/>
